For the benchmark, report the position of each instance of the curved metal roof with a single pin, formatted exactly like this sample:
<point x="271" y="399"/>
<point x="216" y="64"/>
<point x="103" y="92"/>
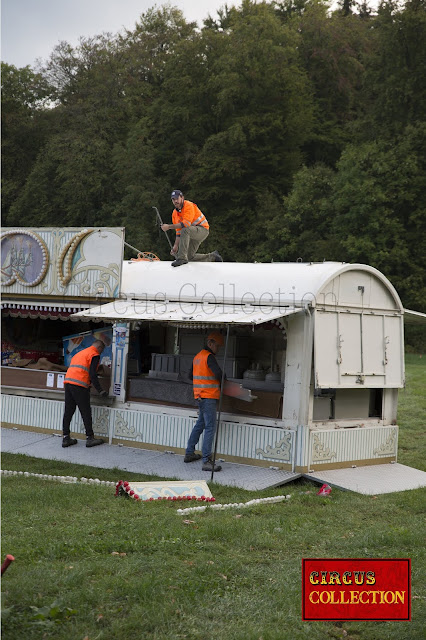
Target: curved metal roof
<point x="272" y="284"/>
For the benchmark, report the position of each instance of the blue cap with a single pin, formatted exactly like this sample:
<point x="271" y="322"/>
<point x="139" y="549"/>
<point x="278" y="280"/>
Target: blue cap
<point x="176" y="193"/>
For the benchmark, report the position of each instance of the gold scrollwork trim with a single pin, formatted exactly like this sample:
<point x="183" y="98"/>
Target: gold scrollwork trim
<point x="318" y="450"/>
<point x="104" y="275"/>
<point x="121" y="427"/>
<point x="69" y="248"/>
<point x="101" y="424"/>
<point x="281" y="450"/>
<point x="388" y="447"/>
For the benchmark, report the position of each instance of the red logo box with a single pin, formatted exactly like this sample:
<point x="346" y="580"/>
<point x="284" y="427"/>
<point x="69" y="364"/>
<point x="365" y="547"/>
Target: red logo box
<point x="356" y="589"/>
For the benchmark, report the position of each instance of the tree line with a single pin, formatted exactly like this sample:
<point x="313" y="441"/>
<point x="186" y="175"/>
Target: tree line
<point x="299" y="131"/>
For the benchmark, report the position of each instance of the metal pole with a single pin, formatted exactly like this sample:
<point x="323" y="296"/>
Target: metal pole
<point x="220" y="401"/>
<point x="161" y="222"/>
<point x="133" y="248"/>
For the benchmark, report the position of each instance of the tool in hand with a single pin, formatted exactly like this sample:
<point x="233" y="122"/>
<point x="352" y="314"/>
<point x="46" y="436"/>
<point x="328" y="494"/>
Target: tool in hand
<point x="160" y="222"/>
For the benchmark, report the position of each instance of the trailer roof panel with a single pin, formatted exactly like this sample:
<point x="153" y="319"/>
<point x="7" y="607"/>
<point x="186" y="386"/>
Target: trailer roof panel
<point x="275" y="284"/>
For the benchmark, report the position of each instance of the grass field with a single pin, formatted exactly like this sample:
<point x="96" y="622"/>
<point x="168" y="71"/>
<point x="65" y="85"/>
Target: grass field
<point x="224" y="575"/>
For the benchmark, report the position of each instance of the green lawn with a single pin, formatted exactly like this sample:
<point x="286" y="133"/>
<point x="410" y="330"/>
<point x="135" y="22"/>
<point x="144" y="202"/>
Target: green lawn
<point x="224" y="575"/>
<point x="412" y="413"/>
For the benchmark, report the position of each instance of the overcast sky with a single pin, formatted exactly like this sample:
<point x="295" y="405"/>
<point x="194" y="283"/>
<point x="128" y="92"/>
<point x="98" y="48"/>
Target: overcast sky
<point x="31" y="28"/>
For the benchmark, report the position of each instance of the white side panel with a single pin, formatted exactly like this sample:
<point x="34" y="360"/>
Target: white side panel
<point x="250" y="441"/>
<point x="373" y="345"/>
<point x="355" y="288"/>
<point x="359" y="288"/>
<point x="335" y="446"/>
<point x="297" y="370"/>
<point x="356" y="350"/>
<point x="350" y="347"/>
<point x="326" y="350"/>
<point x="338" y="361"/>
<point x="394" y="351"/>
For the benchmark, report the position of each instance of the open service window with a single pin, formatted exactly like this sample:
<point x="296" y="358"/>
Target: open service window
<point x="173" y="332"/>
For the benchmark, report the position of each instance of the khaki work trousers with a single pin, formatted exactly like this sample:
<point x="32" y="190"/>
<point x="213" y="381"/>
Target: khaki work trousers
<point x="190" y="240"/>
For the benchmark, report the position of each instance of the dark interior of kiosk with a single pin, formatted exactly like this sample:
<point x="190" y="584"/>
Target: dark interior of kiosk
<point x="32" y="346"/>
<point x="160" y="357"/>
<point x="33" y="338"/>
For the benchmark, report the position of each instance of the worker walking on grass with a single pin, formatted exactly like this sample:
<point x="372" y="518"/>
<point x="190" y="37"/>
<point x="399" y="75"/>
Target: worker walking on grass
<point x="80" y="375"/>
<point x="206" y="377"/>
<point x="192" y="229"/>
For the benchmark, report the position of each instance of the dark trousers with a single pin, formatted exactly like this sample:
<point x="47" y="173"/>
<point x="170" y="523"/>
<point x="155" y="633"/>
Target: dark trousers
<point x="76" y="396"/>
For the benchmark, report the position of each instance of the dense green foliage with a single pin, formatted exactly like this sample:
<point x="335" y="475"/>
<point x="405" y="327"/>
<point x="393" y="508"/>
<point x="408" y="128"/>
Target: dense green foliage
<point x="300" y="132"/>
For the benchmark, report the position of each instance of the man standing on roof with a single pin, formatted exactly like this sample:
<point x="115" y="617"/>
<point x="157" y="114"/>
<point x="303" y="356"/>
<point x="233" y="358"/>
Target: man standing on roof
<point x="191" y="228"/>
<point x="206" y="376"/>
<point x="79" y="376"/>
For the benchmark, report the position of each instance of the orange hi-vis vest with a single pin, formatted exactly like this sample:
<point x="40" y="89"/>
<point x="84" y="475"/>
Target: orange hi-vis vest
<point x="189" y="216"/>
<point x="78" y="371"/>
<point x="205" y="383"/>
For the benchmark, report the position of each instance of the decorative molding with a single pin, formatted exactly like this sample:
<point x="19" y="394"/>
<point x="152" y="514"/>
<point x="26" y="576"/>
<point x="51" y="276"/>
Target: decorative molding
<point x="318" y="451"/>
<point x="281" y="450"/>
<point x="101" y="286"/>
<point x="18" y="261"/>
<point x="121" y="427"/>
<point x="101" y="424"/>
<point x="52" y="284"/>
<point x="69" y="248"/>
<point x="389" y="447"/>
<point x="66" y="262"/>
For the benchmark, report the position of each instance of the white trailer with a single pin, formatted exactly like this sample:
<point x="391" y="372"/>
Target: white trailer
<point x="340" y="344"/>
<point x="328" y="338"/>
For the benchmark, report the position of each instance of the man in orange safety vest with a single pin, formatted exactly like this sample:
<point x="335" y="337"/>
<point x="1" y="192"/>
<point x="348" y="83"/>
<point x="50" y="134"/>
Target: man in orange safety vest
<point x="80" y="375"/>
<point x="206" y="377"/>
<point x="191" y="228"/>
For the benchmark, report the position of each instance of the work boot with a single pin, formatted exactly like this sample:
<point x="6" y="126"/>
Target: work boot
<point x="208" y="466"/>
<point x="217" y="256"/>
<point x="191" y="457"/>
<point x="179" y="262"/>
<point x="91" y="441"/>
<point x="68" y="442"/>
